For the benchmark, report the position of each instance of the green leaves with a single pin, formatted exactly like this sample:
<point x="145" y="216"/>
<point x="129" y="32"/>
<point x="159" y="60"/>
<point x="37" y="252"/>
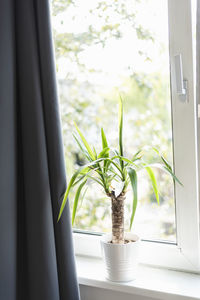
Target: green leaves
<point x="84" y="152"/>
<point x="166" y="167"/>
<point x="76" y="199"/>
<point x="87" y="146"/>
<point x="122" y="158"/>
<point x="136" y="155"/>
<point x="167" y="170"/>
<point x="153" y="181"/>
<point x="133" y="179"/>
<point x="104" y="146"/>
<point x="103" y="139"/>
<point x="67" y="193"/>
<point x="111" y="165"/>
<point x="104" y="153"/>
<point x="81" y="171"/>
<point x="121" y="131"/>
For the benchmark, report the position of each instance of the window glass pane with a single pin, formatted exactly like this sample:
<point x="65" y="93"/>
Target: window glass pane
<point x="103" y="48"/>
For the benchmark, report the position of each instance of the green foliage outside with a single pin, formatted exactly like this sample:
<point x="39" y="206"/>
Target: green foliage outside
<point x="86" y="101"/>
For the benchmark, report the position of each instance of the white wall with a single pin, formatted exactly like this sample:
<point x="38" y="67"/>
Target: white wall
<point x="92" y="293"/>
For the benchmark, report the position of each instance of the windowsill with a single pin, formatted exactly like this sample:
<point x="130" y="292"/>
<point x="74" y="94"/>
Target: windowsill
<point x="151" y="282"/>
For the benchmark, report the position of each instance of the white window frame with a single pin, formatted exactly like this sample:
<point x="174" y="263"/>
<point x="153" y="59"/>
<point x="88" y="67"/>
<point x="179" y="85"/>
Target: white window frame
<point x="185" y="255"/>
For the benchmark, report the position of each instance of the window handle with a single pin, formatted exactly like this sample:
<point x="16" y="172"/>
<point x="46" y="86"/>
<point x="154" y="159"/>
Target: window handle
<point x="181" y="84"/>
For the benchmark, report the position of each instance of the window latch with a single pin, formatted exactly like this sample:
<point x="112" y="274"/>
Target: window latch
<point x="181" y="83"/>
<point x="198" y="111"/>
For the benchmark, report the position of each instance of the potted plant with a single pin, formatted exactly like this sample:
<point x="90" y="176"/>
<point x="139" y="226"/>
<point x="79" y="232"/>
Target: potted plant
<point x="120" y="248"/>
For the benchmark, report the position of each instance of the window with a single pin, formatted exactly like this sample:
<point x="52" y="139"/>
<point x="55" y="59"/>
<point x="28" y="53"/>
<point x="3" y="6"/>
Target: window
<point x="129" y="46"/>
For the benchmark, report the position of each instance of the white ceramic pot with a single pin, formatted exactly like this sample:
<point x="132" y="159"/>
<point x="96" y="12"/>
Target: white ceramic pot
<point x="121" y="260"/>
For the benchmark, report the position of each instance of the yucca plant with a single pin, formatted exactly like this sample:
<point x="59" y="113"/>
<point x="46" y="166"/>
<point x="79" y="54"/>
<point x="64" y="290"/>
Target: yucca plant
<point x="109" y="166"/>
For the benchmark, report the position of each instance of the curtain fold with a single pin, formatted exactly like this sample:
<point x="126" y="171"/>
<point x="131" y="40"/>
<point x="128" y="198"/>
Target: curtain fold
<point x="36" y="252"/>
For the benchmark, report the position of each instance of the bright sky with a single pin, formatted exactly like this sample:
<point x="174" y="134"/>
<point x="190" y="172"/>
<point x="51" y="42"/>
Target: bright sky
<point x="117" y="55"/>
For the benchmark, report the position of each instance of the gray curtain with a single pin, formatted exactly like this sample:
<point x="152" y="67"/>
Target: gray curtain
<point x="36" y="252"/>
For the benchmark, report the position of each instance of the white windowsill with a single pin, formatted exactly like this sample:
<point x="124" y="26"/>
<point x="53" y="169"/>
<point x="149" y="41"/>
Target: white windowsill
<point x="151" y="282"/>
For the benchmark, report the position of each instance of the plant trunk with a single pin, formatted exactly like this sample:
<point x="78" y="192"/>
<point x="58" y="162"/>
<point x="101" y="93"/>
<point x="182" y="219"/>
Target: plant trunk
<point x="118" y="219"/>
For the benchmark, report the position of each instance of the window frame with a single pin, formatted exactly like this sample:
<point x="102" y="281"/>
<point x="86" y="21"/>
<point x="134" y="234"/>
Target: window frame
<point x="185" y="156"/>
<point x="185" y="255"/>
